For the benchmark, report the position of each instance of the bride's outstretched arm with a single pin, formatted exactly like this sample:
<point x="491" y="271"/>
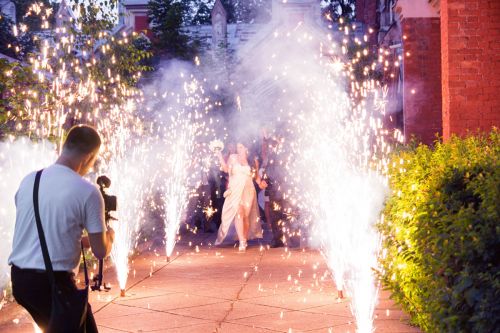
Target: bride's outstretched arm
<point x="256" y="175"/>
<point x="223" y="165"/>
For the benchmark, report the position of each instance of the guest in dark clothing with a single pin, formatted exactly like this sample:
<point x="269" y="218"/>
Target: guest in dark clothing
<point x="219" y="180"/>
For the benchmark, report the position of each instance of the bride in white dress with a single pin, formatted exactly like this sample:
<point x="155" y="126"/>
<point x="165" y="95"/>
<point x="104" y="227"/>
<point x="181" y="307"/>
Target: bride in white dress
<point x="240" y="210"/>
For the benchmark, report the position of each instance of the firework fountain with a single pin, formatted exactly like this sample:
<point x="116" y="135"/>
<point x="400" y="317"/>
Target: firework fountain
<point x="131" y="174"/>
<point x="180" y="112"/>
<point x="175" y="189"/>
<point x="332" y="148"/>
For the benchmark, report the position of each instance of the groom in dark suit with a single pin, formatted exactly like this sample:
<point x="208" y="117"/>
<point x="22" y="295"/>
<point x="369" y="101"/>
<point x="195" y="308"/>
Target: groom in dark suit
<point x="272" y="180"/>
<point x="218" y="184"/>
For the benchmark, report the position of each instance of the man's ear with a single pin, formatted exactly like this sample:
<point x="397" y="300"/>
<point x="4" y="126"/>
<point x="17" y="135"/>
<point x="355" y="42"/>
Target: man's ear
<point x="89" y="157"/>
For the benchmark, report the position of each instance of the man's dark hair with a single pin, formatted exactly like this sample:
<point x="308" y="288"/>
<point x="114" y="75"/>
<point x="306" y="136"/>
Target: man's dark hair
<point x="82" y="139"/>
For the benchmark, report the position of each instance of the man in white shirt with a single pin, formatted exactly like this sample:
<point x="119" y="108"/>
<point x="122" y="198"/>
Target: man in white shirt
<point x="68" y="204"/>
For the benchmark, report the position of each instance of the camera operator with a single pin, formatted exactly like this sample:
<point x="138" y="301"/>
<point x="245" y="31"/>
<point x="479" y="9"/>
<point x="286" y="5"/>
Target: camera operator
<point x="68" y="204"/>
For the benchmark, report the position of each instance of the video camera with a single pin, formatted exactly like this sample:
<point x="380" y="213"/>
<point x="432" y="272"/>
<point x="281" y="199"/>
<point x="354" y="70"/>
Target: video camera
<point x="110" y="201"/>
<point x="110" y="205"/>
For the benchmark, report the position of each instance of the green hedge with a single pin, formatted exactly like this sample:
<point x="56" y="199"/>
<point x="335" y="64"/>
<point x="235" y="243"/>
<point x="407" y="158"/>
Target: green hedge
<point x="441" y="234"/>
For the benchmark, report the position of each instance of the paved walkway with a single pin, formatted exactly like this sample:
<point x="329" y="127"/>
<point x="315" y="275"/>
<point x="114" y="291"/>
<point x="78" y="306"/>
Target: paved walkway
<point x="207" y="289"/>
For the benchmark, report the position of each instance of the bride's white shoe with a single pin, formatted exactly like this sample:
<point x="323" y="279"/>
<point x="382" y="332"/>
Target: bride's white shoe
<point x="243" y="246"/>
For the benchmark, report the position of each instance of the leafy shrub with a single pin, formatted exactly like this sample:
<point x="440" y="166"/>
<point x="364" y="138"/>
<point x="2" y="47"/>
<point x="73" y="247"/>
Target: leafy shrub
<point x="441" y="234"/>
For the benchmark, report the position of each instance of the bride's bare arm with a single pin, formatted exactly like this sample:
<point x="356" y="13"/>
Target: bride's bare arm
<point x="223" y="165"/>
<point x="258" y="179"/>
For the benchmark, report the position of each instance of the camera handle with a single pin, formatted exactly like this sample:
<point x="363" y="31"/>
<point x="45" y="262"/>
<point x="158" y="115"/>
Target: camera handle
<point x="98" y="278"/>
<point x="98" y="285"/>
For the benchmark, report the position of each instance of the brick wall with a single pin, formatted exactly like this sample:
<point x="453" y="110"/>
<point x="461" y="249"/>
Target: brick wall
<point x="422" y="78"/>
<point x="470" y="35"/>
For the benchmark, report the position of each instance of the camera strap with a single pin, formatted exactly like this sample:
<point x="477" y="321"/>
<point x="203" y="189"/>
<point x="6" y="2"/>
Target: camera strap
<point x="43" y="242"/>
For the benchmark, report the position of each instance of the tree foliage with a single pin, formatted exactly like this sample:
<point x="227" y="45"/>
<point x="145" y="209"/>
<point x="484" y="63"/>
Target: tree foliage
<point x="7" y="39"/>
<point x="114" y="62"/>
<point x="92" y="67"/>
<point x="33" y="22"/>
<point x="123" y="56"/>
<point x="358" y="55"/>
<point x="336" y="9"/>
<point x="18" y="86"/>
<point x="167" y="17"/>
<point x="202" y="14"/>
<point x="18" y="45"/>
<point x="249" y="11"/>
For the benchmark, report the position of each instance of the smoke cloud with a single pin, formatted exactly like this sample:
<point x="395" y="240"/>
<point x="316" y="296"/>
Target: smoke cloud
<point x="18" y="157"/>
<point x="293" y="81"/>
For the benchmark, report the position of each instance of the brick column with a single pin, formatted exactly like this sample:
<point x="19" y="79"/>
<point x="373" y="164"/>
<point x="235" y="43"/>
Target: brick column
<point x="470" y="35"/>
<point x="420" y="26"/>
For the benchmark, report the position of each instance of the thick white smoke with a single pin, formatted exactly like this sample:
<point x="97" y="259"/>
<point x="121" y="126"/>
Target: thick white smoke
<point x="297" y="85"/>
<point x="180" y="108"/>
<point x="18" y="157"/>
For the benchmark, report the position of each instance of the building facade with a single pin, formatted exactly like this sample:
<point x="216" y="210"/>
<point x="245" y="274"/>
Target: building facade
<point x="447" y="54"/>
<point x="134" y="15"/>
<point x="226" y="42"/>
<point x="450" y="60"/>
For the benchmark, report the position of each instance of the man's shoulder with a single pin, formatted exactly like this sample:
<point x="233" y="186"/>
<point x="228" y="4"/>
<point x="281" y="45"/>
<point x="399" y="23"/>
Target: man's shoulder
<point x="89" y="187"/>
<point x="92" y="188"/>
<point x="68" y="177"/>
<point x="28" y="180"/>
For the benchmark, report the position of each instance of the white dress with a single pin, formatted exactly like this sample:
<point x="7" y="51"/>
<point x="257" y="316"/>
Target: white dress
<point x="241" y="192"/>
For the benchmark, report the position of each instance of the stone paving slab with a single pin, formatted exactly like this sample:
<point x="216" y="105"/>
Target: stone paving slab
<point x="216" y="289"/>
